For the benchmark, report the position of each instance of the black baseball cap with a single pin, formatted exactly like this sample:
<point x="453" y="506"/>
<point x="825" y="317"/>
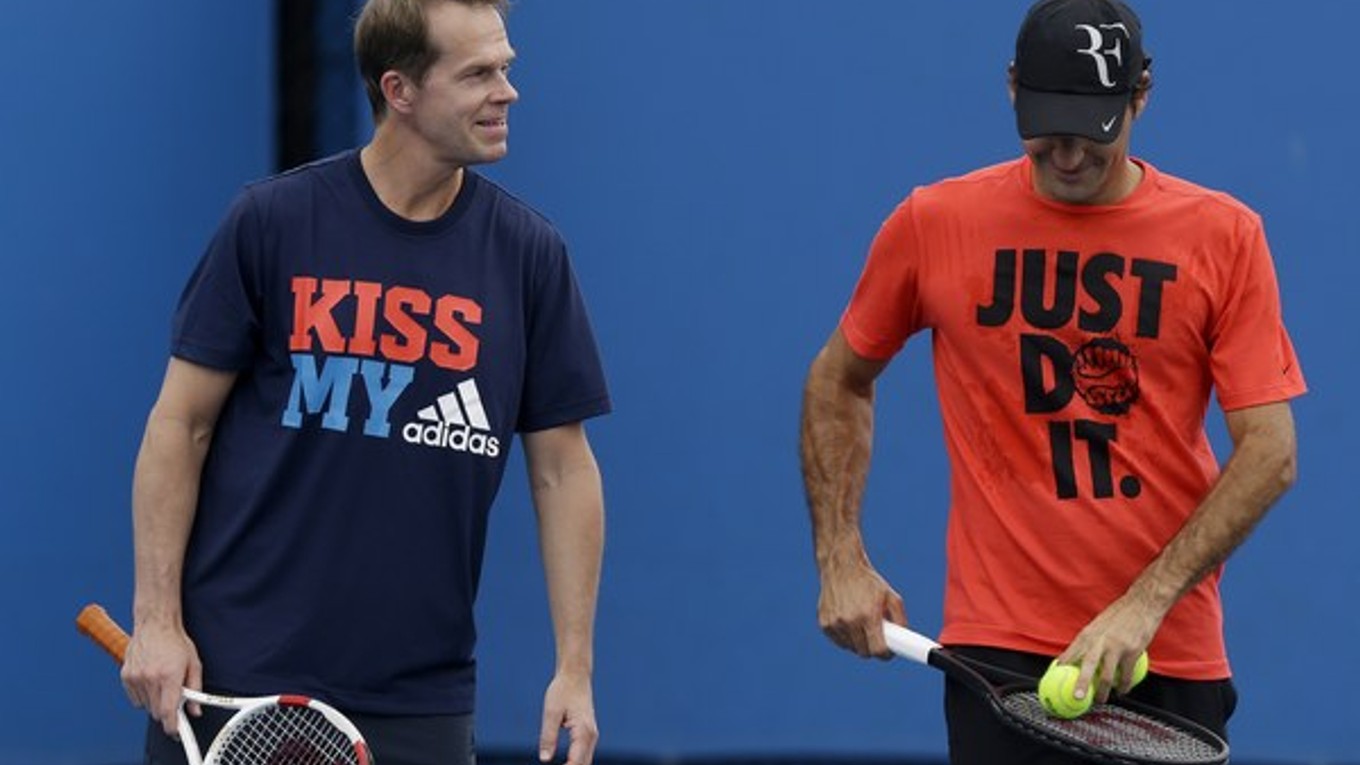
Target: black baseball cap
<point x="1076" y="65"/>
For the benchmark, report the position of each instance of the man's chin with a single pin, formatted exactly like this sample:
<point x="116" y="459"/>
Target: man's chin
<point x="1070" y="191"/>
<point x="491" y="154"/>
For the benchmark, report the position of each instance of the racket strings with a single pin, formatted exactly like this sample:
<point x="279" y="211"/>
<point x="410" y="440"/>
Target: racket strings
<point x="285" y="735"/>
<point x="1115" y="729"/>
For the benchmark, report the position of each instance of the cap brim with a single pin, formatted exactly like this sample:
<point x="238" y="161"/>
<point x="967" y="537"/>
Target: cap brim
<point x="1044" y="113"/>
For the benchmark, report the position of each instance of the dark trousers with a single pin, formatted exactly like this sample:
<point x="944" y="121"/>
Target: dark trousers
<point x="977" y="737"/>
<point x="434" y="740"/>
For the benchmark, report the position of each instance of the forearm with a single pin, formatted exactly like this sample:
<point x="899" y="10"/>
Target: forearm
<point x="164" y="494"/>
<point x="569" y="500"/>
<point x="160" y="658"/>
<point x="835" y="444"/>
<point x="1261" y="468"/>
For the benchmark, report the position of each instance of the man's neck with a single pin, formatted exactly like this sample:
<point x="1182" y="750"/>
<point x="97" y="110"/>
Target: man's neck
<point x="406" y="178"/>
<point x="1128" y="181"/>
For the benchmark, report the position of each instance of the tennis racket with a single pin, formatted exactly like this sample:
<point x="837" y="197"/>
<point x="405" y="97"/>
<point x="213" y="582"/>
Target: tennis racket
<point x="267" y="730"/>
<point x="1121" y="732"/>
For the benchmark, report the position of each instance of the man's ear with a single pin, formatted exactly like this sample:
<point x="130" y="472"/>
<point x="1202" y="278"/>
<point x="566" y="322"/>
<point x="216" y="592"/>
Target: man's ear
<point x="1141" y="94"/>
<point x="396" y="90"/>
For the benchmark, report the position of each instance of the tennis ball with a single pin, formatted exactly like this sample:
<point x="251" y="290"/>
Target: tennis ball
<point x="1056" y="689"/>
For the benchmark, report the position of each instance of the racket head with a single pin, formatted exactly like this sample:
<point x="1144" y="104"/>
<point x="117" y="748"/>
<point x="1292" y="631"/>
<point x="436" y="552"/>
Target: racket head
<point x="1121" y="731"/>
<point x="288" y="730"/>
<point x="268" y="730"/>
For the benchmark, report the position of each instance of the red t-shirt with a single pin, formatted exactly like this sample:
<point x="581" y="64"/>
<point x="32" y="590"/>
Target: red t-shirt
<point x="1075" y="349"/>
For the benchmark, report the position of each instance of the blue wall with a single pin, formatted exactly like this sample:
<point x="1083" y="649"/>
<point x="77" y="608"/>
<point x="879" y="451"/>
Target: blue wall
<point x="719" y="169"/>
<point x="127" y="127"/>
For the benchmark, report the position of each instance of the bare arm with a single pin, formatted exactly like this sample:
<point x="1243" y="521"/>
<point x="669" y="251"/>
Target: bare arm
<point x="569" y="499"/>
<point x="161" y="657"/>
<point x="1261" y="468"/>
<point x="836" y="442"/>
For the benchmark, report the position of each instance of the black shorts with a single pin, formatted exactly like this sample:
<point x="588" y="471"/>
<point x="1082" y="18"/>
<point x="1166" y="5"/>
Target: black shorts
<point x="433" y="740"/>
<point x="977" y="737"/>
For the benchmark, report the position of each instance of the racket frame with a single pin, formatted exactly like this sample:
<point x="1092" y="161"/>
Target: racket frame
<point x="918" y="648"/>
<point x="95" y="623"/>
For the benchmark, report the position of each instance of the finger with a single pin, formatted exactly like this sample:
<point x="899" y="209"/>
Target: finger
<point x="1085" y="684"/>
<point x="1074" y="653"/>
<point x="896" y="612"/>
<point x="832" y="630"/>
<point x="1125" y="675"/>
<point x="875" y="642"/>
<point x="832" y="635"/>
<point x="582" y="749"/>
<point x="1103" y="680"/>
<point x="170" y="724"/>
<point x="166" y="707"/>
<point x="847" y="636"/>
<point x="547" y="734"/>
<point x="194" y="679"/>
<point x="132" y="687"/>
<point x="134" y="696"/>
<point x="866" y="632"/>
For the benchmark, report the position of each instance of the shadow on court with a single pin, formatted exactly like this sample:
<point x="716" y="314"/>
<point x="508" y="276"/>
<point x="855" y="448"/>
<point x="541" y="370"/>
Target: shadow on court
<point x="531" y="758"/>
<point x="527" y="757"/>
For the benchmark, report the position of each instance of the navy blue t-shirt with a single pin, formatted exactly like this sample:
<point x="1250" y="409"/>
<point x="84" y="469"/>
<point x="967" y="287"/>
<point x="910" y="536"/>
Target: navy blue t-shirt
<point x="384" y="366"/>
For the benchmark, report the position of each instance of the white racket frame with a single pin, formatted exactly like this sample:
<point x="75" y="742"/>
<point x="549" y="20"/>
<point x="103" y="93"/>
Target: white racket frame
<point x="97" y="625"/>
<point x="247" y="707"/>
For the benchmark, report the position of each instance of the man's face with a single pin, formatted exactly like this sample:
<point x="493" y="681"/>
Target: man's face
<point x="1080" y="171"/>
<point x="462" y="106"/>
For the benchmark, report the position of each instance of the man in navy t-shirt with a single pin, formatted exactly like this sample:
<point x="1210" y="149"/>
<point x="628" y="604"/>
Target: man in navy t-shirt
<point x="349" y="364"/>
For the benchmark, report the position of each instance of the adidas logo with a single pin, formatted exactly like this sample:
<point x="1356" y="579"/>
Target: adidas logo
<point x="455" y="421"/>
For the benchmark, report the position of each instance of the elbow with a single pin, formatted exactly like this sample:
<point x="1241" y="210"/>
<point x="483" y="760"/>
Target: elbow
<point x="201" y="435"/>
<point x="1287" y="470"/>
<point x="1266" y="438"/>
<point x="1287" y="466"/>
<point x="584" y="473"/>
<point x="1278" y="467"/>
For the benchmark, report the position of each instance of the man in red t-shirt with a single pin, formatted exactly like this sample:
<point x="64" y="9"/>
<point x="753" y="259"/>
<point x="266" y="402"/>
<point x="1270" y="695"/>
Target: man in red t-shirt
<point x="1082" y="306"/>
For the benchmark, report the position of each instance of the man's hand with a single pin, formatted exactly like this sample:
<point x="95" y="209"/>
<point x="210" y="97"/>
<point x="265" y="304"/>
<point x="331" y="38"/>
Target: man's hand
<point x="160" y="661"/>
<point x="854" y="602"/>
<point x="568" y="703"/>
<point x="1109" y="646"/>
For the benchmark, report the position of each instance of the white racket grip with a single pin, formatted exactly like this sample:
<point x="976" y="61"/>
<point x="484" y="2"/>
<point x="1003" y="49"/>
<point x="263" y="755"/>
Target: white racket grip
<point x="907" y="644"/>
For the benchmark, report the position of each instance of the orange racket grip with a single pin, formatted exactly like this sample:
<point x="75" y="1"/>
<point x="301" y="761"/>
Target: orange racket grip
<point x="96" y="624"/>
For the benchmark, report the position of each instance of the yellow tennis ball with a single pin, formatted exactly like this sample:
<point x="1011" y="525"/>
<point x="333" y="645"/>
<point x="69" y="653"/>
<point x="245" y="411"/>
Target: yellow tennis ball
<point x="1056" y="691"/>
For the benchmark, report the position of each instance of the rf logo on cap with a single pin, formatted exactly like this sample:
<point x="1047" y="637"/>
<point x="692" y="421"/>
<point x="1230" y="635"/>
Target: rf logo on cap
<point x="1116" y="51"/>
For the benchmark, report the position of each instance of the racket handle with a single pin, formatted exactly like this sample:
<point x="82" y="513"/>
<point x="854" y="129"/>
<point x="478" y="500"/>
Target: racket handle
<point x="908" y="644"/>
<point x="96" y="624"/>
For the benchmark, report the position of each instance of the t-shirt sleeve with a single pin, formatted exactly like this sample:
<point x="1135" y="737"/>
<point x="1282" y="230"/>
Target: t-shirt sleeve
<point x="217" y="322"/>
<point x="885" y="307"/>
<point x="1251" y="356"/>
<point x="564" y="379"/>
